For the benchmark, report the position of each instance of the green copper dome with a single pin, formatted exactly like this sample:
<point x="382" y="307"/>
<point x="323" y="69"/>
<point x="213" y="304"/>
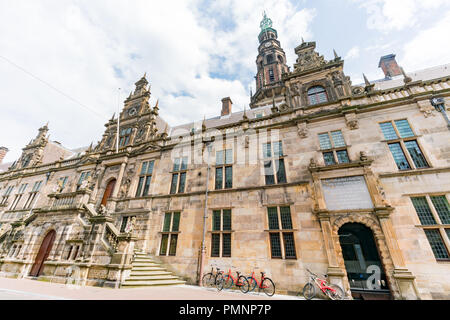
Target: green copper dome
<point x="266" y="23"/>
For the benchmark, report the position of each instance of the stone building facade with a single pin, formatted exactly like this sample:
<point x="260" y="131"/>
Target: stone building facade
<point x="319" y="174"/>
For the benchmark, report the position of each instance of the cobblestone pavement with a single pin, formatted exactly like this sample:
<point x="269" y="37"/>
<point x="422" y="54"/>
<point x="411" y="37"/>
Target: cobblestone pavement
<point x="25" y="289"/>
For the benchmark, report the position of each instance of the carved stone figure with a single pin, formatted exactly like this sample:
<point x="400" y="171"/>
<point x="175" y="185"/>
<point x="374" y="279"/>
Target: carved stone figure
<point x="130" y="225"/>
<point x="351" y="121"/>
<point x="302" y="130"/>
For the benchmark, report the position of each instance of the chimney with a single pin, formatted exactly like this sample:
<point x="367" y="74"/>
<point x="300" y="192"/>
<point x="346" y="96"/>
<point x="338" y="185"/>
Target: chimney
<point x="3" y="152"/>
<point x="226" y="106"/>
<point x="389" y="66"/>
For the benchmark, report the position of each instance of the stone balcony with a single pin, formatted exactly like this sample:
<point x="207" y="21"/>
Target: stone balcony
<point x="67" y="201"/>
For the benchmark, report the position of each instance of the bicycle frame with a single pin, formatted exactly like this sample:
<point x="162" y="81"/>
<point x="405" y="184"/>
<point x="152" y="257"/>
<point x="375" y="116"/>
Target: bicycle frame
<point x="238" y="282"/>
<point x="322" y="284"/>
<point x="259" y="284"/>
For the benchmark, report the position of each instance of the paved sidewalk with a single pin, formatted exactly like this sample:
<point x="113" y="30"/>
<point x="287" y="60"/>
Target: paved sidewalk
<point x="25" y="289"/>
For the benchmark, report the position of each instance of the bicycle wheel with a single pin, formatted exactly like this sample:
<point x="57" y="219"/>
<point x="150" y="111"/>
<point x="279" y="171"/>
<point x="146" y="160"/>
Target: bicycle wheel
<point x="268" y="286"/>
<point x="217" y="279"/>
<point x="309" y="291"/>
<point x="207" y="280"/>
<point x="338" y="294"/>
<point x="227" y="282"/>
<point x="252" y="284"/>
<point x="243" y="284"/>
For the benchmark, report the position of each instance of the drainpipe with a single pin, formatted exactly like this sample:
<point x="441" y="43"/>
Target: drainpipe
<point x="205" y="216"/>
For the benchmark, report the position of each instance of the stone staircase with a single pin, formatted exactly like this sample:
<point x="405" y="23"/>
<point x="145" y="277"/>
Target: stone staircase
<point x="147" y="272"/>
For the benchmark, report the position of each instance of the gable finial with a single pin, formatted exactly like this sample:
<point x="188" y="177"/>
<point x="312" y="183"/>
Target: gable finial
<point x="335" y="54"/>
<point x="366" y="81"/>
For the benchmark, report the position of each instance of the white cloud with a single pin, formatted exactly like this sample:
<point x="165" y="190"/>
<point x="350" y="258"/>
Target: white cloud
<point x="89" y="50"/>
<point x="387" y="15"/>
<point x="352" y="53"/>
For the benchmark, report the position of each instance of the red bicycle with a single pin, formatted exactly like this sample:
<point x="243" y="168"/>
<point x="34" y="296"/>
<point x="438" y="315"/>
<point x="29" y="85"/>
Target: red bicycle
<point x="334" y="292"/>
<point x="228" y="280"/>
<point x="266" y="284"/>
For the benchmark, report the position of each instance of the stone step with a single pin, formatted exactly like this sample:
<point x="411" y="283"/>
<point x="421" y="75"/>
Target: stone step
<point x="144" y="264"/>
<point x="151" y="277"/>
<point x="147" y="268"/>
<point x="144" y="261"/>
<point x="149" y="273"/>
<point x="146" y="283"/>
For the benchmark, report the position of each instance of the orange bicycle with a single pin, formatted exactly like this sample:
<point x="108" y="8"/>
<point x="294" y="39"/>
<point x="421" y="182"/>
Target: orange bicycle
<point x="266" y="284"/>
<point x="228" y="280"/>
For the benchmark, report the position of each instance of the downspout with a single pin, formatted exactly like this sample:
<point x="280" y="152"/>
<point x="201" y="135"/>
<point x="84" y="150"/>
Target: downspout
<point x="205" y="216"/>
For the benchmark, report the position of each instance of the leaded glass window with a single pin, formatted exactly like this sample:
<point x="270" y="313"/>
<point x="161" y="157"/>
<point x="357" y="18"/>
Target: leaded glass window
<point x="169" y="237"/>
<point x="399" y="156"/>
<point x="221" y="233"/>
<point x="273" y="218"/>
<point x="437" y="244"/>
<point x="286" y="221"/>
<point x="335" y="142"/>
<point x="279" y="219"/>
<point x="274" y="165"/>
<point x="442" y="208"/>
<point x="423" y="211"/>
<point x="317" y="95"/>
<point x="224" y="161"/>
<point x="289" y="245"/>
<point x="145" y="178"/>
<point x="388" y="131"/>
<point x="404" y="129"/>
<point x="178" y="182"/>
<point x="275" y="245"/>
<point x="416" y="154"/>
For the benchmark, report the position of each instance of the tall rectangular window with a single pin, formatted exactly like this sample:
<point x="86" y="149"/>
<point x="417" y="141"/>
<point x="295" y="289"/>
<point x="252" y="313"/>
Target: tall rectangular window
<point x="145" y="178"/>
<point x="84" y="176"/>
<point x="281" y="236"/>
<point x="18" y="196"/>
<point x="224" y="169"/>
<point x="125" y="135"/>
<point x="434" y="214"/>
<point x="271" y="75"/>
<point x="169" y="236"/>
<point x="274" y="166"/>
<point x="402" y="143"/>
<point x="333" y="147"/>
<point x="221" y="233"/>
<point x="34" y="191"/>
<point x="178" y="183"/>
<point x="6" y="195"/>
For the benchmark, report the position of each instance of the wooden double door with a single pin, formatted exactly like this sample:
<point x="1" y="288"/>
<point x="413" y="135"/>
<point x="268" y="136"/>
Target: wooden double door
<point x="43" y="253"/>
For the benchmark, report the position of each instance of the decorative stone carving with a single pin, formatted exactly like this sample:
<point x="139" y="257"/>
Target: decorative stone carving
<point x="131" y="225"/>
<point x="351" y="121"/>
<point x="103" y="211"/>
<point x="363" y="156"/>
<point x="302" y="130"/>
<point x="426" y="107"/>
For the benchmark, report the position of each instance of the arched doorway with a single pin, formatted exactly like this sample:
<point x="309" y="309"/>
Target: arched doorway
<point x="108" y="191"/>
<point x="365" y="271"/>
<point x="43" y="253"/>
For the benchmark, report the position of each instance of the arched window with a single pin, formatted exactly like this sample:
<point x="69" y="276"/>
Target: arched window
<point x="317" y="95"/>
<point x="269" y="58"/>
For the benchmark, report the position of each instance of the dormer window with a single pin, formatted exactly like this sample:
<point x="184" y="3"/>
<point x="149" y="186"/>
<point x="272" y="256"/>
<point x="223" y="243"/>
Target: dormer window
<point x="125" y="135"/>
<point x="317" y="95"/>
<point x="26" y="161"/>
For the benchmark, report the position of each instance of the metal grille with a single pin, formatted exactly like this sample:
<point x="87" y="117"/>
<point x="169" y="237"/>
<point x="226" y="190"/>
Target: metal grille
<point x="219" y="178"/>
<point x="163" y="249"/>
<point x="399" y="156"/>
<point x="216" y="220"/>
<point x="437" y="244"/>
<point x="173" y="244"/>
<point x="215" y="245"/>
<point x="182" y="182"/>
<point x="268" y="171"/>
<point x="289" y="245"/>
<point x="226" y="225"/>
<point x="281" y="171"/>
<point x="442" y="208"/>
<point x="228" y="177"/>
<point x="166" y="226"/>
<point x="226" y="245"/>
<point x="403" y="128"/>
<point x="328" y="157"/>
<point x="388" y="131"/>
<point x="423" y="211"/>
<point x="173" y="185"/>
<point x="176" y="222"/>
<point x="286" y="221"/>
<point x="342" y="156"/>
<point x="416" y="154"/>
<point x="273" y="218"/>
<point x="338" y="139"/>
<point x="275" y="245"/>
<point x="324" y="140"/>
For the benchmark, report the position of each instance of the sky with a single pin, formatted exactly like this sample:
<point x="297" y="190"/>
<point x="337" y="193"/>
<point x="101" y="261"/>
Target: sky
<point x="64" y="61"/>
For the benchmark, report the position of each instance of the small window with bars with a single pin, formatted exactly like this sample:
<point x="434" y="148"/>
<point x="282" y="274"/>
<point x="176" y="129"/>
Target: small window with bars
<point x="402" y="143"/>
<point x="145" y="179"/>
<point x="274" y="165"/>
<point x="169" y="235"/>
<point x="221" y="233"/>
<point x="333" y="147"/>
<point x="281" y="233"/>
<point x="178" y="183"/>
<point x="224" y="169"/>
<point x="434" y="216"/>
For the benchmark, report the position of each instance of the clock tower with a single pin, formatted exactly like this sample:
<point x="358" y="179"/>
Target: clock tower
<point x="270" y="63"/>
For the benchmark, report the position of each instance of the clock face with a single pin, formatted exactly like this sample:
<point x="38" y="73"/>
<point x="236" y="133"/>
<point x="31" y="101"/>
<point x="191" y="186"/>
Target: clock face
<point x="268" y="44"/>
<point x="132" y="111"/>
